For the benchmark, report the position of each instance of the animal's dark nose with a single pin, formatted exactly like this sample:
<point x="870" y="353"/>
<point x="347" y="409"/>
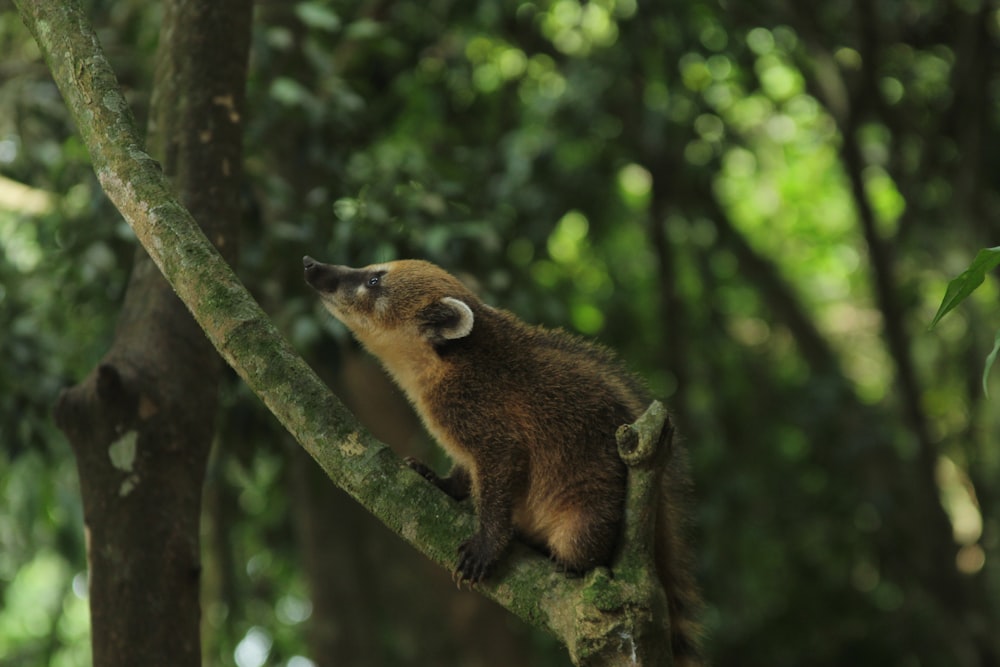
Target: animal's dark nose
<point x="308" y="262"/>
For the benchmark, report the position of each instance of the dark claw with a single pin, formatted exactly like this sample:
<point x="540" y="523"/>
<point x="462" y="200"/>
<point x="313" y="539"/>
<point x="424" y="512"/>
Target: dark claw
<point x="422" y="470"/>
<point x="475" y="561"/>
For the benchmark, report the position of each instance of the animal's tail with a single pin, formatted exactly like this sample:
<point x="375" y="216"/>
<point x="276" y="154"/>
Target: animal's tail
<point x="675" y="564"/>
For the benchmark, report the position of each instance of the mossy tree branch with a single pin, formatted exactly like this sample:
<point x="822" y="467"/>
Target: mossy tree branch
<point x="603" y="620"/>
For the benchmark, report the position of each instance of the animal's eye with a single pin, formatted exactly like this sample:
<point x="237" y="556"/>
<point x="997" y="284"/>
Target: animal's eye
<point x="374" y="281"/>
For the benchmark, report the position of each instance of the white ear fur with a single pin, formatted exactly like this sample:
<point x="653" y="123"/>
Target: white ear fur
<point x="463" y="327"/>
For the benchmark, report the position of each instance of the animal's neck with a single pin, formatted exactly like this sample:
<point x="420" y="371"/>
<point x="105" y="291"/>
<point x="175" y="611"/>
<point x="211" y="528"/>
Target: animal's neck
<point x="415" y="368"/>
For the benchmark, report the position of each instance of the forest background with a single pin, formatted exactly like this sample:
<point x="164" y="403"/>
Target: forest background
<point x="758" y="205"/>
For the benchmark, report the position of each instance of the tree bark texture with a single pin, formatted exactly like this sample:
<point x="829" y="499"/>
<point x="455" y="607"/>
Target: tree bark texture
<point x="603" y="620"/>
<point x="141" y="424"/>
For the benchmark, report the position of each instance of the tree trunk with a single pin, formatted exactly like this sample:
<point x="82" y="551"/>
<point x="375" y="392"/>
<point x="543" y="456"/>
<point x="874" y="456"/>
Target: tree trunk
<point x="141" y="423"/>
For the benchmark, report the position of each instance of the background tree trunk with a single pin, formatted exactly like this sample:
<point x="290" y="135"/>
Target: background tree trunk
<point x="141" y="424"/>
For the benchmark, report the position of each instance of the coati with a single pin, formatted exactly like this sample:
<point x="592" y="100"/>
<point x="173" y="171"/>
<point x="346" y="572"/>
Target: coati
<point x="528" y="416"/>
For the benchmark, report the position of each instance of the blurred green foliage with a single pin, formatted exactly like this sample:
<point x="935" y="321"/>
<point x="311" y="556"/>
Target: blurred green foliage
<point x="672" y="179"/>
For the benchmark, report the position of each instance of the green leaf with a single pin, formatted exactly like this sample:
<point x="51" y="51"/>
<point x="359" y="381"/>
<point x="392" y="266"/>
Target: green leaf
<point x="990" y="358"/>
<point x="958" y="289"/>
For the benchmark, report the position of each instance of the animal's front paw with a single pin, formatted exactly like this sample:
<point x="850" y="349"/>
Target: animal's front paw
<point x="476" y="558"/>
<point x="423" y="470"/>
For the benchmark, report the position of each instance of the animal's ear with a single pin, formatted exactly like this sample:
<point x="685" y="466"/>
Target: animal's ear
<point x="446" y="319"/>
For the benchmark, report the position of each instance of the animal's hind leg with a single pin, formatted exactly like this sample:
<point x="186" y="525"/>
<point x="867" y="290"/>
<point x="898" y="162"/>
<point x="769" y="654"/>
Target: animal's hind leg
<point x="457" y="484"/>
<point x="580" y="542"/>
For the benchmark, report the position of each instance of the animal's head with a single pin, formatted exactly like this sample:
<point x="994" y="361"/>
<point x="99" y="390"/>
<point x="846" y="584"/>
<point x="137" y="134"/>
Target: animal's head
<point x="404" y="302"/>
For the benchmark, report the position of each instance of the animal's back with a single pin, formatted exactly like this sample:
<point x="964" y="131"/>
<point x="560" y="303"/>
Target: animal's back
<point x="544" y="406"/>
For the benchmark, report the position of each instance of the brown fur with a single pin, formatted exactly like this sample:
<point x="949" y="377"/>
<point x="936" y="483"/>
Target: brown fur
<point x="527" y="414"/>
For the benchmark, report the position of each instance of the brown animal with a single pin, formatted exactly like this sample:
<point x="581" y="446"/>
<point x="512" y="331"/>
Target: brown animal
<point x="528" y="416"/>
